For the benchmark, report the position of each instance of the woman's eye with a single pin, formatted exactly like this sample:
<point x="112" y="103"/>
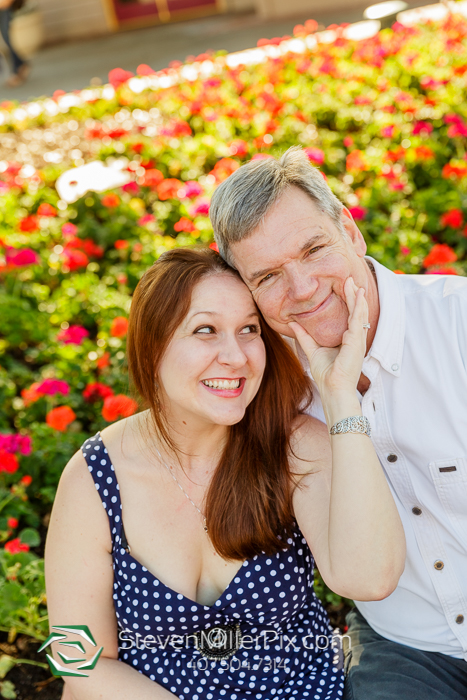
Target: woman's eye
<point x="249" y="329"/>
<point x="205" y="329"/>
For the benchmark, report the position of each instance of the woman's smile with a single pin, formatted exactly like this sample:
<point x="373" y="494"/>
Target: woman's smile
<point x="224" y="388"/>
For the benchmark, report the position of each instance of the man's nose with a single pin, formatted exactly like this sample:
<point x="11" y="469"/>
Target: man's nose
<point x="231" y="353"/>
<point x="301" y="286"/>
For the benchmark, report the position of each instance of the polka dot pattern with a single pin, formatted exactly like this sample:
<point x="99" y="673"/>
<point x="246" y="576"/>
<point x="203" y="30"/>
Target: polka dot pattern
<point x="283" y="624"/>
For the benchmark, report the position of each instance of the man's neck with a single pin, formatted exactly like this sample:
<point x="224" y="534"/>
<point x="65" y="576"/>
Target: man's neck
<point x="372" y="298"/>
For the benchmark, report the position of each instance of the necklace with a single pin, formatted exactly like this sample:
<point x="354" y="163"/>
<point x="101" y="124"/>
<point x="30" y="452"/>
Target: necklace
<point x="182" y="489"/>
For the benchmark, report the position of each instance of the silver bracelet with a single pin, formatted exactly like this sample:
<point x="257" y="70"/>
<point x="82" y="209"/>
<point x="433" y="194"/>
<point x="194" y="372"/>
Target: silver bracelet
<point x="353" y="424"/>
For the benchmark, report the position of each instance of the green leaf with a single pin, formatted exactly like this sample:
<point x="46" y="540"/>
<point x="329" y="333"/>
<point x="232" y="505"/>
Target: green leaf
<point x="11" y="598"/>
<point x="30" y="536"/>
<point x="6" y="664"/>
<point x="7" y="690"/>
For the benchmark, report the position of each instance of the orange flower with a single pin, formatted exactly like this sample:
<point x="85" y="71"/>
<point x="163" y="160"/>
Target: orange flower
<point x="30" y="395"/>
<point x="118" y="406"/>
<point x="46" y="209"/>
<point x="223" y="168"/>
<point x="103" y="361"/>
<point x="110" y="200"/>
<point x="26" y="480"/>
<point x="151" y="178"/>
<point x="12" y="523"/>
<point x="60" y="418"/>
<point x="169" y="188"/>
<point x="121" y="244"/>
<point x="119" y="327"/>
<point x="355" y="161"/>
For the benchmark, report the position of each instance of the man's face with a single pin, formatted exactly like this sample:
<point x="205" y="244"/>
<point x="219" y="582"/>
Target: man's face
<point x="296" y="263"/>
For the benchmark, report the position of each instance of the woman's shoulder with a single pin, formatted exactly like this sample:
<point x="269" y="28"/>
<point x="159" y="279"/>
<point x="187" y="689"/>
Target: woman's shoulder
<point x="310" y="444"/>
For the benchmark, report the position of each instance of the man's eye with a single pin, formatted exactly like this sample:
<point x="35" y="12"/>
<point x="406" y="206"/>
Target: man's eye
<point x="208" y="330"/>
<point x="313" y="250"/>
<point x="268" y="277"/>
<point x="249" y="329"/>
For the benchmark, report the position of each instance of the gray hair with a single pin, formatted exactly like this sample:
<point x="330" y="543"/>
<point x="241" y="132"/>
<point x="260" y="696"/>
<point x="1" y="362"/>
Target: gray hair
<point x="241" y="202"/>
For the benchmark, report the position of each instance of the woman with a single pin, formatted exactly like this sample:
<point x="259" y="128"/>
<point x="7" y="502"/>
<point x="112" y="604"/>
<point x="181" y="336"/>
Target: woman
<point x="214" y="496"/>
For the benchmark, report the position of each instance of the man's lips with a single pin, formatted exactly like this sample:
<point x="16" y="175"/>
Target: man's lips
<point x="320" y="307"/>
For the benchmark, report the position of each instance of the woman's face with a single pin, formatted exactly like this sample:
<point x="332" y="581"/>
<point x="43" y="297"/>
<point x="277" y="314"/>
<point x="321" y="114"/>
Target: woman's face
<point x="213" y="366"/>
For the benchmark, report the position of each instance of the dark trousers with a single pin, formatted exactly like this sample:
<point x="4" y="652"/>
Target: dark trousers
<point x="5" y="19"/>
<point x="377" y="669"/>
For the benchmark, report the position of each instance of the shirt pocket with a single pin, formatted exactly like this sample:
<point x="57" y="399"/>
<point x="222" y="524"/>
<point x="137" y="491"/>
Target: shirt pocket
<point x="450" y="480"/>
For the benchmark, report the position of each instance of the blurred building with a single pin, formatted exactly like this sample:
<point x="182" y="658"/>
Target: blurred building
<point x="72" y="19"/>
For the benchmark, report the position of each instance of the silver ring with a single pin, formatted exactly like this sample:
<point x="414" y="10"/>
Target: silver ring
<point x="366" y="325"/>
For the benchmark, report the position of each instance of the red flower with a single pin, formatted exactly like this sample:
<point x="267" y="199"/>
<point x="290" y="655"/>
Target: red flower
<point x="16" y="546"/>
<point x="422" y="127"/>
<point x="119" y="327"/>
<point x="169" y="188"/>
<point x="121" y="244"/>
<point x="12" y="523"/>
<point x="110" y="200"/>
<point x="146" y="219"/>
<point x="423" y="153"/>
<point x="239" y="148"/>
<point x="185" y="225"/>
<point x="443" y="271"/>
<point x="21" y="257"/>
<point x="118" y="76"/>
<point x="118" y="406"/>
<point x="440" y="254"/>
<point x="453" y="218"/>
<point x="214" y="246"/>
<point x="46" y="209"/>
<point x="60" y="418"/>
<point x="8" y="462"/>
<point x="75" y="259"/>
<point x="26" y="480"/>
<point x="144" y="69"/>
<point x="69" y="229"/>
<point x="29" y="224"/>
<point x="96" y="392"/>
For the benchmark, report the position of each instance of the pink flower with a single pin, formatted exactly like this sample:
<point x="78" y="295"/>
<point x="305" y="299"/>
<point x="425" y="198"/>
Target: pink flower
<point x="261" y="156"/>
<point x="358" y="213"/>
<point x="315" y="155"/>
<point x="388" y="131"/>
<point x="21" y="258"/>
<point x="73" y="335"/>
<point x="191" y="189"/>
<point x="131" y="187"/>
<point x="146" y="219"/>
<point x="405" y="250"/>
<point x="199" y="208"/>
<point x="14" y="442"/>
<point x="53" y="386"/>
<point x="421" y="127"/>
<point x="69" y="229"/>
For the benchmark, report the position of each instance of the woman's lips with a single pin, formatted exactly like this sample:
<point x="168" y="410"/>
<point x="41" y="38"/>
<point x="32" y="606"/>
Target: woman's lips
<point x="307" y="314"/>
<point x="226" y="393"/>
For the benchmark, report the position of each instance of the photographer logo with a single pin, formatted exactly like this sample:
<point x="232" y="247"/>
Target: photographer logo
<point x="60" y="636"/>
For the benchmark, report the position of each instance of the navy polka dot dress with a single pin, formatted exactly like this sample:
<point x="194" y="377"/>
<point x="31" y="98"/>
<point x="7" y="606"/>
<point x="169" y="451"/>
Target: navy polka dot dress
<point x="273" y="631"/>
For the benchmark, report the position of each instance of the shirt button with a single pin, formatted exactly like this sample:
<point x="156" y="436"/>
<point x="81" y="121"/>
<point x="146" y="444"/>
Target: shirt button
<point x="438" y="565"/>
<point x="416" y="510"/>
<point x="395" y="367"/>
<point x="392" y="458"/>
<point x="460" y="619"/>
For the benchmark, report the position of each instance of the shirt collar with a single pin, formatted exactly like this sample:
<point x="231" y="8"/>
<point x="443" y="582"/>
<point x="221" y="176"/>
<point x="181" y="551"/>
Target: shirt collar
<point x="388" y="343"/>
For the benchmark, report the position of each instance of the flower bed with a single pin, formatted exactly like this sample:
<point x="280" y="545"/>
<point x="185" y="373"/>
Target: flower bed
<point x="385" y="119"/>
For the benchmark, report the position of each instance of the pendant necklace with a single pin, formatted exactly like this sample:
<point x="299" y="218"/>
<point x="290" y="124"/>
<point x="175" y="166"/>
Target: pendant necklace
<point x="205" y="527"/>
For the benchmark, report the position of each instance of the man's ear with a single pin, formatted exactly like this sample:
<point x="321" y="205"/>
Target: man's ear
<point x="354" y="233"/>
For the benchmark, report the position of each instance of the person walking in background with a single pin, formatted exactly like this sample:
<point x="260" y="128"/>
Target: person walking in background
<point x="20" y="67"/>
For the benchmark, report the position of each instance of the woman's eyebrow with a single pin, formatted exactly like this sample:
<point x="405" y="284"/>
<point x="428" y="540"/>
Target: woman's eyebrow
<point x="216" y="313"/>
<point x="308" y="244"/>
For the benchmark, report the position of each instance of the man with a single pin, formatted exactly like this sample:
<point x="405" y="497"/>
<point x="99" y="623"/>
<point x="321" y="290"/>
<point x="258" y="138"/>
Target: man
<point x="295" y="244"/>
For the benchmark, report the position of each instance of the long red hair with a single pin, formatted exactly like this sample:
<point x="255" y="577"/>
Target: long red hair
<point x="249" y="500"/>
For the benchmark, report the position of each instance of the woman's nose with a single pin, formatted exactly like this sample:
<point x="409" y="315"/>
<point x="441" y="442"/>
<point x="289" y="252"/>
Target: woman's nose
<point x="231" y="353"/>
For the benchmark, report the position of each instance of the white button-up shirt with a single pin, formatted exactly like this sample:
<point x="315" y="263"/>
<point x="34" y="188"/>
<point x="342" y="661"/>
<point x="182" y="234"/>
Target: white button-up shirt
<point x="417" y="407"/>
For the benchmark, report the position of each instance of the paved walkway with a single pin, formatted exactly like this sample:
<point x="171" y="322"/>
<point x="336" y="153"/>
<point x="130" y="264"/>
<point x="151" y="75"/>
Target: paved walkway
<point x="71" y="66"/>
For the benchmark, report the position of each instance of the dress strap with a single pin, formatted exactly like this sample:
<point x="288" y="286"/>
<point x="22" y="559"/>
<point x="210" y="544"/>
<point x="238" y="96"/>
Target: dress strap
<point x="105" y="480"/>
